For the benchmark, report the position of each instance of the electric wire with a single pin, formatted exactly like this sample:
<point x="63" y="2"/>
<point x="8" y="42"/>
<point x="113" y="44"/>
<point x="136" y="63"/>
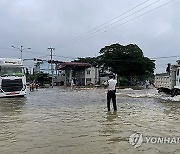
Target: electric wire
<point x="99" y="30"/>
<point x="166" y="57"/>
<point x="84" y="39"/>
<point x="8" y="49"/>
<point x="68" y="57"/>
<point x="109" y="29"/>
<point x="107" y="22"/>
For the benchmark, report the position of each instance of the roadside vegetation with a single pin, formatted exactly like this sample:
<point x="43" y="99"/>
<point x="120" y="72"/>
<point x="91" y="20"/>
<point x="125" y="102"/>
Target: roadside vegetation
<point x="127" y="61"/>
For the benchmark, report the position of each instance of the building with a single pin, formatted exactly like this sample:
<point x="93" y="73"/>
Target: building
<point x="82" y="73"/>
<point x="65" y="72"/>
<point x="91" y="76"/>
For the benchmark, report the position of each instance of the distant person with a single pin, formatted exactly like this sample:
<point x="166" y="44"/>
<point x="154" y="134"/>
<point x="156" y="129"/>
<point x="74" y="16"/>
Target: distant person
<point x="151" y="83"/>
<point x="111" y="94"/>
<point x="31" y="85"/>
<point x="147" y="84"/>
<point x="72" y="84"/>
<point x="36" y="85"/>
<point x="75" y="81"/>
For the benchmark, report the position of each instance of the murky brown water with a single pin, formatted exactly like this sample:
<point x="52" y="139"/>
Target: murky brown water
<point x="60" y="121"/>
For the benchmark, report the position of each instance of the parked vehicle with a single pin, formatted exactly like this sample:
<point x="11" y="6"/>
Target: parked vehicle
<point x="12" y="78"/>
<point x="169" y="83"/>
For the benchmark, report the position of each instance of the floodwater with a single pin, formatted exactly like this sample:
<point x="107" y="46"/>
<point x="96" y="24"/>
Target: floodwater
<point x="64" y="121"/>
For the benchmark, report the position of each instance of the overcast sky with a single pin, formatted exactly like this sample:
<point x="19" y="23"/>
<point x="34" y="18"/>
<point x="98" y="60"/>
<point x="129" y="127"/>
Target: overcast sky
<point x="80" y="28"/>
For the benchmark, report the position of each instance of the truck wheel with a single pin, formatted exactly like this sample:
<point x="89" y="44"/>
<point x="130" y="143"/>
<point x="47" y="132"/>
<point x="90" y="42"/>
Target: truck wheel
<point x="175" y="92"/>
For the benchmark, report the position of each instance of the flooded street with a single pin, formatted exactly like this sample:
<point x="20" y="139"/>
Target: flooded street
<point x="61" y="121"/>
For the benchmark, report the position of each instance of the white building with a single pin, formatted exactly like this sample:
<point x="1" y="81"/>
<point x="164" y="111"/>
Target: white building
<point x="83" y="73"/>
<point x="91" y="75"/>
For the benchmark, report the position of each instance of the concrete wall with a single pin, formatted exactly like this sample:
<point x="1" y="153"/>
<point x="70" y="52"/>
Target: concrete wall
<point x="91" y="76"/>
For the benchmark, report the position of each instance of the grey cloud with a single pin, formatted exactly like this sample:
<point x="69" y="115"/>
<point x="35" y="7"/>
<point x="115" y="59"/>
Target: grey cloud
<point x="42" y="23"/>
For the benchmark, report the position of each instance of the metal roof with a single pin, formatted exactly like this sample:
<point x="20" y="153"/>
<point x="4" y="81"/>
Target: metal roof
<point x="73" y="66"/>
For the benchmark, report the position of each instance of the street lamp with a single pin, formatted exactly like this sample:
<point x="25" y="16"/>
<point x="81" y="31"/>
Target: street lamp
<point x="20" y="49"/>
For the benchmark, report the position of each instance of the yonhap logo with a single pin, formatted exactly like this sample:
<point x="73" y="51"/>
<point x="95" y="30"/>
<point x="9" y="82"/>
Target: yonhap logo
<point x="136" y="140"/>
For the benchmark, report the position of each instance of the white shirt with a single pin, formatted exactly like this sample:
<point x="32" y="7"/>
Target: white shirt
<point x="111" y="84"/>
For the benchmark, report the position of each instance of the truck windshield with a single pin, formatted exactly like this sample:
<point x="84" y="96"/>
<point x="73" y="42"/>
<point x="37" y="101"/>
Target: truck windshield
<point x="11" y="71"/>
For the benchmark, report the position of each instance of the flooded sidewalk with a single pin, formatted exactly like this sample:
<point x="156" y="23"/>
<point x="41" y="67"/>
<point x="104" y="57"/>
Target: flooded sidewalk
<point x="68" y="121"/>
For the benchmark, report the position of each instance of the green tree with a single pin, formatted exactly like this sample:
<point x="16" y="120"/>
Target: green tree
<point x="42" y="78"/>
<point x="91" y="60"/>
<point x="126" y="60"/>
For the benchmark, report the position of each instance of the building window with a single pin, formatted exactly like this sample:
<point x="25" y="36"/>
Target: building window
<point x="88" y="72"/>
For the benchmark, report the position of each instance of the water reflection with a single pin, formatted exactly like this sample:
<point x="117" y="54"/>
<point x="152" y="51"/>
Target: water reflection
<point x="11" y="106"/>
<point x="172" y="108"/>
<point x="109" y="124"/>
<point x="111" y="116"/>
<point x="11" y="119"/>
<point x="61" y="121"/>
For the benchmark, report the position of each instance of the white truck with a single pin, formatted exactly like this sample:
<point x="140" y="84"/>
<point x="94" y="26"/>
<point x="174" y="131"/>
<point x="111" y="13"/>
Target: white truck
<point x="12" y="78"/>
<point x="169" y="83"/>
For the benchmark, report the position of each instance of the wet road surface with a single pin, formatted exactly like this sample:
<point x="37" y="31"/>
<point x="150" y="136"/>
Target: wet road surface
<point x="61" y="121"/>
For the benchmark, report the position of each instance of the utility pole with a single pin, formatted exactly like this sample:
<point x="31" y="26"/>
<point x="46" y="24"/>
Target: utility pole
<point x="21" y="50"/>
<point x="52" y="69"/>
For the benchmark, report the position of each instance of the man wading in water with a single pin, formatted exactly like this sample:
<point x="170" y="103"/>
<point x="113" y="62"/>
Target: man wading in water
<point x="111" y="94"/>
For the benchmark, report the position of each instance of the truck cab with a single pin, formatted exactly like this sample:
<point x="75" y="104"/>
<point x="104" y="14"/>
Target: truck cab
<point x="12" y="78"/>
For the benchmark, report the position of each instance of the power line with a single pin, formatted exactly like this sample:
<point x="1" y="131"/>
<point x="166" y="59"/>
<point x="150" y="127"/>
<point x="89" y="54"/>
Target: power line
<point x="111" y="28"/>
<point x="21" y="49"/>
<point x="42" y="56"/>
<point x="8" y="49"/>
<point x="37" y="53"/>
<point x="108" y="21"/>
<point x="68" y="57"/>
<point x="84" y="39"/>
<point x="154" y="58"/>
<point x="166" y="57"/>
<point x="98" y="30"/>
<point x="65" y="57"/>
<point x="117" y="21"/>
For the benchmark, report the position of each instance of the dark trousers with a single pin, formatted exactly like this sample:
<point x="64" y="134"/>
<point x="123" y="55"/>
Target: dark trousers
<point x="111" y="95"/>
